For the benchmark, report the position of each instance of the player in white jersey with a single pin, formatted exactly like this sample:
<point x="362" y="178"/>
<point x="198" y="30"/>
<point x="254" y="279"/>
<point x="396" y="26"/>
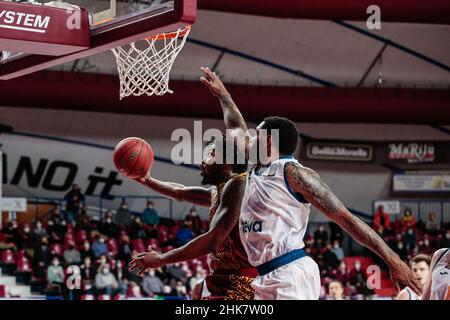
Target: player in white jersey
<point x="438" y="286"/>
<point x="275" y="209"/>
<point x="420" y="266"/>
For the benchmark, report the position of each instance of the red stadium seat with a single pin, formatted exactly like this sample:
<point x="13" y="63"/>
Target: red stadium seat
<point x="2" y="291"/>
<point x="167" y="248"/>
<point x="80" y="236"/>
<point x="87" y="297"/>
<point x="23" y="264"/>
<point x="138" y="244"/>
<point x="56" y="249"/>
<point x="8" y="256"/>
<point x="112" y="246"/>
<point x="154" y="243"/>
<point x="104" y="297"/>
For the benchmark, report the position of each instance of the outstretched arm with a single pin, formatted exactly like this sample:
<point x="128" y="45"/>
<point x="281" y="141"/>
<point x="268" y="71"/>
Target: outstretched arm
<point x="231" y="114"/>
<point x="224" y="221"/>
<point x="310" y="186"/>
<point x="196" y="195"/>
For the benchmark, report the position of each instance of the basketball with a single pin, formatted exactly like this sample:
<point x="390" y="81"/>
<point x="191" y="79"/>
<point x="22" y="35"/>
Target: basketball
<point x="133" y="157"/>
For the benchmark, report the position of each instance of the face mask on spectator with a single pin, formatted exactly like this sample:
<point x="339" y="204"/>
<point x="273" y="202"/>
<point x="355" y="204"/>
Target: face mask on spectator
<point x="400" y="246"/>
<point x="105" y="270"/>
<point x="50" y="223"/>
<point x="336" y="245"/>
<point x="55" y="263"/>
<point x="124" y="206"/>
<point x="426" y="242"/>
<point x="151" y="273"/>
<point x="320" y="229"/>
<point x="410" y="231"/>
<point x="357" y="266"/>
<point x="26" y="230"/>
<point x="108" y="220"/>
<point x="63" y="222"/>
<point x="194" y="213"/>
<point x="38" y="225"/>
<point x="447" y="235"/>
<point x="101" y="240"/>
<point x="86" y="246"/>
<point x="103" y="260"/>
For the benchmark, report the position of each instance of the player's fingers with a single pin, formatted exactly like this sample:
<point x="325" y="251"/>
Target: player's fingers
<point x="135" y="266"/>
<point x="205" y="81"/>
<point x="396" y="286"/>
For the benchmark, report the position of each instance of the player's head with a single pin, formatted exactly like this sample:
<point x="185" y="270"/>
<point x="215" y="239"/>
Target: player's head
<point x="420" y="266"/>
<point x="279" y="135"/>
<point x="336" y="290"/>
<point x="215" y="168"/>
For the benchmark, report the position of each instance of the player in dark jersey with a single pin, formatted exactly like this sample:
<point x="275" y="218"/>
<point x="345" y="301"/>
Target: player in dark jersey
<point x="232" y="274"/>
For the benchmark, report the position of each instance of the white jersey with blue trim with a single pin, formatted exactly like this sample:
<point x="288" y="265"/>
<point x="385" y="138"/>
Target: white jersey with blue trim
<point x="273" y="219"/>
<point x="440" y="277"/>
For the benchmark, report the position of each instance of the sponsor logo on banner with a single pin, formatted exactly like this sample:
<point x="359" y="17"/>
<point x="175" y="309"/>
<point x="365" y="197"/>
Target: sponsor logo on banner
<point x="339" y="151"/>
<point x="23" y="21"/>
<point x="431" y="182"/>
<point x="412" y="152"/>
<point x="390" y="206"/>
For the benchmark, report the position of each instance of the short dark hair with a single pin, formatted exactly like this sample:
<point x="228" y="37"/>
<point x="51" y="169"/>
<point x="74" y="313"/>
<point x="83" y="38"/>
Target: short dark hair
<point x="227" y="144"/>
<point x="419" y="258"/>
<point x="288" y="133"/>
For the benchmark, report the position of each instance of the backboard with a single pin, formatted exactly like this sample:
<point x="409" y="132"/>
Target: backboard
<point x="112" y="23"/>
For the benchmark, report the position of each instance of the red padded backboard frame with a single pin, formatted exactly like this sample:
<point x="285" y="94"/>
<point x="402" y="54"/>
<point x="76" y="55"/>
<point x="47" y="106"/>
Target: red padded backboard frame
<point x="109" y="36"/>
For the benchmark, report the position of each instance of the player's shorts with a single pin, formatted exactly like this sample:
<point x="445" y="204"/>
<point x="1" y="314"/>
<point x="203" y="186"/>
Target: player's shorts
<point x="298" y="280"/>
<point x="235" y="286"/>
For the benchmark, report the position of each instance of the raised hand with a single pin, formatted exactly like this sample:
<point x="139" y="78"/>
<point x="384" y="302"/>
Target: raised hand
<point x="213" y="82"/>
<point x="144" y="261"/>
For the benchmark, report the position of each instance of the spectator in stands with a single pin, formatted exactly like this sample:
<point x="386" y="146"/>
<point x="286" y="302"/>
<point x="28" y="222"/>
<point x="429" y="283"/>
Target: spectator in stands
<point x="74" y="200"/>
<point x="137" y="229"/>
<point x="425" y="246"/>
<point x="108" y="227"/>
<point x="105" y="281"/>
<point x="87" y="274"/>
<point x="408" y="220"/>
<point x="410" y="239"/>
<point x="99" y="246"/>
<point x="381" y="220"/>
<point x="432" y="225"/>
<point x="125" y="250"/>
<point x="151" y="284"/>
<point x="123" y="215"/>
<point x="320" y="237"/>
<point x="152" y="232"/>
<point x="83" y="221"/>
<point x="72" y="255"/>
<point x="86" y="251"/>
<point x="175" y="273"/>
<point x="336" y="233"/>
<point x="400" y="249"/>
<point x="55" y="275"/>
<point x="336" y="290"/>
<point x="341" y="274"/>
<point x="184" y="235"/>
<point x="42" y="258"/>
<point x="194" y="221"/>
<point x="135" y="290"/>
<point x="150" y="216"/>
<point x="358" y="279"/>
<point x="337" y="250"/>
<point x="445" y="241"/>
<point x="179" y="290"/>
<point x="56" y="227"/>
<point x="120" y="274"/>
<point x="12" y="233"/>
<point x="39" y="231"/>
<point x="28" y="240"/>
<point x="330" y="259"/>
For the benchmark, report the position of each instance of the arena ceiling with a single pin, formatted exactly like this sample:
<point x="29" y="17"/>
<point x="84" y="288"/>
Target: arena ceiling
<point x="251" y="51"/>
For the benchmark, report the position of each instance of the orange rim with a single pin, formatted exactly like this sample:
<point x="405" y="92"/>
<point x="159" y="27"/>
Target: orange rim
<point x="170" y="35"/>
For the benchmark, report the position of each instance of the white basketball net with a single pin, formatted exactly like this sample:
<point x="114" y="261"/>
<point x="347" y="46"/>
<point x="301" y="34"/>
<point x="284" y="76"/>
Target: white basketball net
<point x="144" y="66"/>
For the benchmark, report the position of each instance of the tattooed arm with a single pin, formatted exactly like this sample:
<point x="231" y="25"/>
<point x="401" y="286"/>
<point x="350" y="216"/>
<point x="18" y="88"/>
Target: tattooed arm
<point x="308" y="183"/>
<point x="231" y="114"/>
<point x="196" y="195"/>
<point x="223" y="222"/>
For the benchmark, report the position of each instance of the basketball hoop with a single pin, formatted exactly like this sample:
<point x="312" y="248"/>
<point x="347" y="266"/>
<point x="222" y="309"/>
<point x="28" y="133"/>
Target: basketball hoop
<point x="144" y="66"/>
